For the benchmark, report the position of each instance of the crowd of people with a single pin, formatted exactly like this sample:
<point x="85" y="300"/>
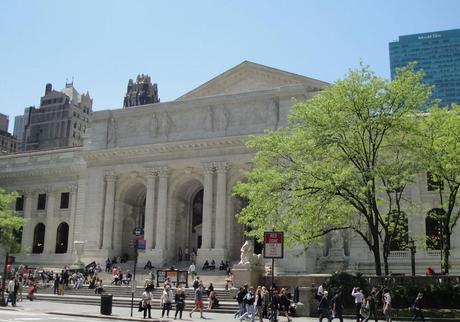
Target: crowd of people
<point x="331" y="307"/>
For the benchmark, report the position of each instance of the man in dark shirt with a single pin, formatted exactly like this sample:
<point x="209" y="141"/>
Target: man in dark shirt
<point x="337" y="306"/>
<point x="417" y="307"/>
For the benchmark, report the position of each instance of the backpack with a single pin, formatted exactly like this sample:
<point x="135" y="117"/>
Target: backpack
<point x="196" y="284"/>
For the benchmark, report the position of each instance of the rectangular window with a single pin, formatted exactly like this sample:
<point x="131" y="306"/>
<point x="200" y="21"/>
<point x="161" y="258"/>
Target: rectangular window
<point x="20" y="203"/>
<point x="65" y="200"/>
<point x="41" y="204"/>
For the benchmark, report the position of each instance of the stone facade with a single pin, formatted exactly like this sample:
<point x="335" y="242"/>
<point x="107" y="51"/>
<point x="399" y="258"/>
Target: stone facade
<point x="170" y="168"/>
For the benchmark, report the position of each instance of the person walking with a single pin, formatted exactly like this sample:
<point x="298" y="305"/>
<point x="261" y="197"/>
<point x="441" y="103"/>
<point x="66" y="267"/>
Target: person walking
<point x="323" y="307"/>
<point x="179" y="299"/>
<point x="249" y="300"/>
<point x="274" y="304"/>
<point x="372" y="301"/>
<point x="192" y="270"/>
<point x="286" y="303"/>
<point x="12" y="289"/>
<point x="166" y="301"/>
<point x="357" y="293"/>
<point x="387" y="304"/>
<point x="147" y="303"/>
<point x="198" y="301"/>
<point x="240" y="300"/>
<point x="417" y="307"/>
<point x="337" y="306"/>
<point x="259" y="302"/>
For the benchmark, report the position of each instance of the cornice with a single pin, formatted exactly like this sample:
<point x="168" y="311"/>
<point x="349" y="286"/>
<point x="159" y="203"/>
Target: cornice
<point x="165" y="148"/>
<point x="45" y="171"/>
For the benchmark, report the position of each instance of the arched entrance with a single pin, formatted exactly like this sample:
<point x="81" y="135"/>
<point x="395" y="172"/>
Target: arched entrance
<point x="130" y="213"/>
<point x="62" y="237"/>
<point x="39" y="239"/>
<point x="197" y="220"/>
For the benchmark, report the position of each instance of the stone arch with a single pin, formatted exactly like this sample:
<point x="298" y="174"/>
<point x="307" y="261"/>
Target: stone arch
<point x="434" y="229"/>
<point x="184" y="232"/>
<point x="62" y="238"/>
<point x="129" y="212"/>
<point x="39" y="239"/>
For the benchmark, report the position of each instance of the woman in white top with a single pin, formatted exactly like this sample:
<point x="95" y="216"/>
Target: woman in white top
<point x="166" y="300"/>
<point x="387" y="304"/>
<point x="147" y="302"/>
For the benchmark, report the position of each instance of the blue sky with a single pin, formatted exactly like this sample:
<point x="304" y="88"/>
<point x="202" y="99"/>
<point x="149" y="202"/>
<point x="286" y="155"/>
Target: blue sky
<point x="182" y="44"/>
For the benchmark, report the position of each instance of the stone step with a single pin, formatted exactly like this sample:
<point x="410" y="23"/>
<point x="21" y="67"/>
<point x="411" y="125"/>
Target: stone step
<point x="223" y="307"/>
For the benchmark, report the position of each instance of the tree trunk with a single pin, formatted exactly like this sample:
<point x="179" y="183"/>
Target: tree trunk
<point x="376" y="251"/>
<point x="385" y="264"/>
<point x="446" y="250"/>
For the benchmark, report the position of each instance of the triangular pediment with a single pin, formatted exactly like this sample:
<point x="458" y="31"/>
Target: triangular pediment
<point x="248" y="77"/>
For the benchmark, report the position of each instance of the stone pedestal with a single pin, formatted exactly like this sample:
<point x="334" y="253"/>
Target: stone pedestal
<point x="246" y="274"/>
<point x="307" y="303"/>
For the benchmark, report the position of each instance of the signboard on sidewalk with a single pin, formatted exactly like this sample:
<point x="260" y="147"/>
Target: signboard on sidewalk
<point x="273" y="244"/>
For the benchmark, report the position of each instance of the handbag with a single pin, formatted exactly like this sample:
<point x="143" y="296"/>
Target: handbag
<point x="140" y="307"/>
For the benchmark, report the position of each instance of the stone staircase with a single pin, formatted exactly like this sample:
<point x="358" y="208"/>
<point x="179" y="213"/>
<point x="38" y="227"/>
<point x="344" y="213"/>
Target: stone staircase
<point x="122" y="297"/>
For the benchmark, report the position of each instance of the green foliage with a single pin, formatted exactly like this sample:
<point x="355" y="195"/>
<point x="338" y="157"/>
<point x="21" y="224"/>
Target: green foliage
<point x="439" y="149"/>
<point x="9" y="222"/>
<point x="342" y="162"/>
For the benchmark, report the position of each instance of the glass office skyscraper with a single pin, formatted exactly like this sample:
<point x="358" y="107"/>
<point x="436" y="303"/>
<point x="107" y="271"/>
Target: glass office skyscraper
<point x="438" y="54"/>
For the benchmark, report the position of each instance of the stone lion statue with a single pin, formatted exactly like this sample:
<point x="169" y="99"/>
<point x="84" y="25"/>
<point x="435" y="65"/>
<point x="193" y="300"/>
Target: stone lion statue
<point x="247" y="255"/>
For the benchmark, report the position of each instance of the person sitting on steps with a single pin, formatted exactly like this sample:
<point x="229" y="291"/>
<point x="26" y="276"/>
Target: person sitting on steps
<point x="205" y="265"/>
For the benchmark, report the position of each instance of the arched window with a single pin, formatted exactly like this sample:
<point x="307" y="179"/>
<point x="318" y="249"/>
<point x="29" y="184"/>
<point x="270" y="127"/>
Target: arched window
<point x="197" y="215"/>
<point x="433" y="223"/>
<point x="39" y="239"/>
<point x="399" y="228"/>
<point x="62" y="237"/>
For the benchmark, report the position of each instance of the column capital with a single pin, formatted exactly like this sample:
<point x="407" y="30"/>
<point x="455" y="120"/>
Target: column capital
<point x="151" y="172"/>
<point x="162" y="171"/>
<point x="209" y="167"/>
<point x="110" y="176"/>
<point x="222" y="166"/>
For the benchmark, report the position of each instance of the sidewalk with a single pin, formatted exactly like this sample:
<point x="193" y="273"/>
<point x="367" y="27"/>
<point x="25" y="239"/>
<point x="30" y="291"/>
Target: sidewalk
<point x="121" y="313"/>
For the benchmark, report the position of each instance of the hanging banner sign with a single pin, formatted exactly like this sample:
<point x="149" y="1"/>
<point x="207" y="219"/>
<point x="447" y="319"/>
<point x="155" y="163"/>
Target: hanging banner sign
<point x="273" y="244"/>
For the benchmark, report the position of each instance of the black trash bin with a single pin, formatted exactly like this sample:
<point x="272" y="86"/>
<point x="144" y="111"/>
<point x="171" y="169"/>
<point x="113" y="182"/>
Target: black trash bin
<point x="106" y="304"/>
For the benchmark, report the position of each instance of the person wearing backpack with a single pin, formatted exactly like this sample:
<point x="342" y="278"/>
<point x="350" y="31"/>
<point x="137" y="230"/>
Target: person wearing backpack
<point x="417" y="307"/>
<point x="323" y="308"/>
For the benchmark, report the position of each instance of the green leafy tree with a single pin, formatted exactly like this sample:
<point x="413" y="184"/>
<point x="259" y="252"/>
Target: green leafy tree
<point x="10" y="222"/>
<point x="439" y="142"/>
<point x="342" y="162"/>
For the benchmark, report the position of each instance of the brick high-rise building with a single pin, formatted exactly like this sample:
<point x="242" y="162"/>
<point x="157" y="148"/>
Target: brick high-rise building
<point x="60" y="121"/>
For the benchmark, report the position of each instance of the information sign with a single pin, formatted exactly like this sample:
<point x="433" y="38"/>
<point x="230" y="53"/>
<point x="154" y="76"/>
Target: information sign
<point x="273" y="244"/>
<point x="137" y="243"/>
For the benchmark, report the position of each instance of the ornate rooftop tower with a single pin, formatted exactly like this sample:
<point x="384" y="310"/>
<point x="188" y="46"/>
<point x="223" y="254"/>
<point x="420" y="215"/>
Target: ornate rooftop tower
<point x="141" y="92"/>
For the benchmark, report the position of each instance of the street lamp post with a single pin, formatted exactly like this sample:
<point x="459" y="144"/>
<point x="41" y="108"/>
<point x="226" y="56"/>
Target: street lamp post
<point x="412" y="248"/>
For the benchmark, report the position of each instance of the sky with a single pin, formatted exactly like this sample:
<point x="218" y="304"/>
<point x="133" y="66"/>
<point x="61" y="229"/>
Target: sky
<point x="183" y="44"/>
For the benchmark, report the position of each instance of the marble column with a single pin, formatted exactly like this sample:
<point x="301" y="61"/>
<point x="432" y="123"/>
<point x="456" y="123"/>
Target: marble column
<point x="149" y="210"/>
<point x="73" y="210"/>
<point x="206" y="237"/>
<point x="50" y="229"/>
<point x="110" y="179"/>
<point x="221" y="205"/>
<point x="28" y="229"/>
<point x="160" y="243"/>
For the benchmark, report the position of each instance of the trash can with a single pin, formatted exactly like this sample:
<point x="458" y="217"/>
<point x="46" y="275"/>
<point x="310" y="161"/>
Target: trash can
<point x="106" y="304"/>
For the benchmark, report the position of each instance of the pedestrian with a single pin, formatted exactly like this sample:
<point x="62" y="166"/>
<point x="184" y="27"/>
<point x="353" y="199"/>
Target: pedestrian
<point x="179" y="299"/>
<point x="192" y="270"/>
<point x="198" y="300"/>
<point x="147" y="303"/>
<point x="196" y="283"/>
<point x="387" y="304"/>
<point x="357" y="293"/>
<point x="417" y="307"/>
<point x="274" y="304"/>
<point x="31" y="292"/>
<point x="56" y="284"/>
<point x="166" y="301"/>
<point x="285" y="303"/>
<point x="249" y="300"/>
<point x="61" y="285"/>
<point x="320" y="291"/>
<point x="266" y="302"/>
<point x="323" y="307"/>
<point x="372" y="301"/>
<point x="240" y="300"/>
<point x="259" y="303"/>
<point x="337" y="306"/>
<point x="12" y="289"/>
